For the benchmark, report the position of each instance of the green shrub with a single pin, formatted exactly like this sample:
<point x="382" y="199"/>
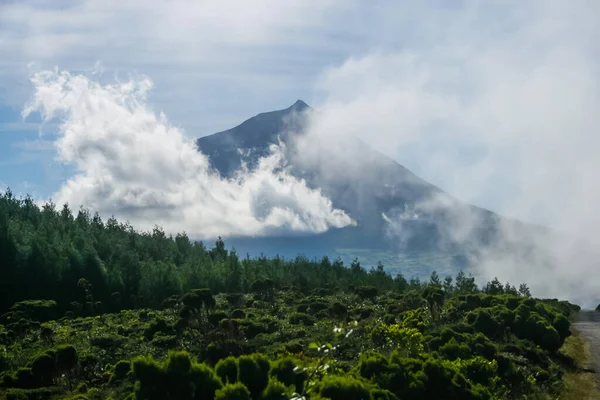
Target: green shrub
<point x="338" y="310"/>
<point x="301" y="318"/>
<point x="317" y="306"/>
<point x="120" y="371"/>
<point x="167" y="342"/>
<point x="227" y="370"/>
<point x="366" y="292"/>
<point x="234" y="299"/>
<point x="285" y="371"/>
<point x="178" y="378"/>
<point x="562" y="326"/>
<point x="216" y="316"/>
<point x="294" y="347"/>
<point x="302" y="308"/>
<point x="38" y="310"/>
<point x="365" y="313"/>
<point x="23" y="379"/>
<point x="344" y="388"/>
<point x="66" y="357"/>
<point x="453" y="350"/>
<point x="254" y="373"/>
<point x="252" y="328"/>
<point x="160" y="325"/>
<point x="275" y="390"/>
<point x="43" y="369"/>
<point x="372" y="364"/>
<point x="233" y="391"/>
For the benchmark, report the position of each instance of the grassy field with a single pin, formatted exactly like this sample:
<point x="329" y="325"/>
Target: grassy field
<point x="579" y="384"/>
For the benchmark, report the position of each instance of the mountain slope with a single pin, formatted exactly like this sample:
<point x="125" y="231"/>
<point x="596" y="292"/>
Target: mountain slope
<point x="395" y="210"/>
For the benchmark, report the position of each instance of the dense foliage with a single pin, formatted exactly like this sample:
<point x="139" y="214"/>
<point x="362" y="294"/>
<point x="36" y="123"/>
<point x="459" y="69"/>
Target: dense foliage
<point x="94" y="310"/>
<point x="44" y="253"/>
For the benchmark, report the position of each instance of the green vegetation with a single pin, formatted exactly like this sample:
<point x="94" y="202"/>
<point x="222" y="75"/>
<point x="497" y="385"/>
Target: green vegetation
<point x="94" y="310"/>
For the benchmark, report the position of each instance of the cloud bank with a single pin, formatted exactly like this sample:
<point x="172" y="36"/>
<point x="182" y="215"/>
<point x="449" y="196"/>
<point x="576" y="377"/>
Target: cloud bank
<point x="502" y="110"/>
<point x="131" y="163"/>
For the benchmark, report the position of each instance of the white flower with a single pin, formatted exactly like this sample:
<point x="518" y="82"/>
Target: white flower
<point x="337" y="330"/>
<point x="296" y="369"/>
<point x="349" y="332"/>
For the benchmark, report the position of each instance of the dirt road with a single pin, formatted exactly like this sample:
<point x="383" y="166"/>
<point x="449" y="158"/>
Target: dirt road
<point x="587" y="323"/>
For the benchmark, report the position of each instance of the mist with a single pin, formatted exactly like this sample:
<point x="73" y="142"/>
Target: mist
<point x="511" y="126"/>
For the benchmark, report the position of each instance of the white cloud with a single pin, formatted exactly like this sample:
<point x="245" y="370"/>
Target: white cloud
<point x="132" y="163"/>
<point x="240" y="52"/>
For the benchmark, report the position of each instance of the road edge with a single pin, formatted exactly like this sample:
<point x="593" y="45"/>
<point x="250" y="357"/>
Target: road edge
<point x="579" y="383"/>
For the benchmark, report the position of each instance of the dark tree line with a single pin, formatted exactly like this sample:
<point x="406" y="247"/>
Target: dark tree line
<point x="46" y="251"/>
<point x="81" y="261"/>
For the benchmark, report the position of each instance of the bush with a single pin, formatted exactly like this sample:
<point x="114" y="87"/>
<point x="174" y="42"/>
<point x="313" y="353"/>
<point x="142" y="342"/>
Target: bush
<point x="338" y="310"/>
<point x="227" y="370"/>
<point x="317" y="306"/>
<point x="238" y="314"/>
<point x="38" y="310"/>
<point x="344" y="388"/>
<point x="234" y="299"/>
<point x="66" y="357"/>
<point x="167" y="342"/>
<point x="178" y="378"/>
<point x="453" y="350"/>
<point x="233" y="391"/>
<point x="120" y="371"/>
<point x="254" y="373"/>
<point x="215" y="317"/>
<point x="293" y="346"/>
<point x="275" y="390"/>
<point x="284" y="370"/>
<point x="43" y="369"/>
<point x="365" y="313"/>
<point x="366" y="292"/>
<point x="160" y="325"/>
<point x="301" y="318"/>
<point x="106" y="342"/>
<point x="302" y="308"/>
<point x="252" y="328"/>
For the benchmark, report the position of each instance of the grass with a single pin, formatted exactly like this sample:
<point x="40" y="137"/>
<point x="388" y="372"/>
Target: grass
<point x="579" y="384"/>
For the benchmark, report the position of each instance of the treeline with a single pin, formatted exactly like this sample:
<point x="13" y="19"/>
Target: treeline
<point x="45" y="252"/>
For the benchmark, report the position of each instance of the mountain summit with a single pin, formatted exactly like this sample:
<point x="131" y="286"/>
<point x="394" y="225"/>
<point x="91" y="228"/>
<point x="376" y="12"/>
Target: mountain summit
<point x="252" y="137"/>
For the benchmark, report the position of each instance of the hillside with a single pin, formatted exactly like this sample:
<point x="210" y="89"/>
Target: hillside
<point x="391" y="205"/>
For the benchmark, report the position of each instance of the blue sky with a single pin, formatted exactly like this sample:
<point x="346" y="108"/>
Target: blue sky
<point x="494" y="102"/>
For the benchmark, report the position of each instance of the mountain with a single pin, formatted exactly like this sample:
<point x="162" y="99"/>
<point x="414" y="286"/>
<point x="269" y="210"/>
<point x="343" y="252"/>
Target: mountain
<point x="396" y="211"/>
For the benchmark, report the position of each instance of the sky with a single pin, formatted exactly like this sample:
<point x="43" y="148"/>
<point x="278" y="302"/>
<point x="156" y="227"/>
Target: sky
<point x="495" y="102"/>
